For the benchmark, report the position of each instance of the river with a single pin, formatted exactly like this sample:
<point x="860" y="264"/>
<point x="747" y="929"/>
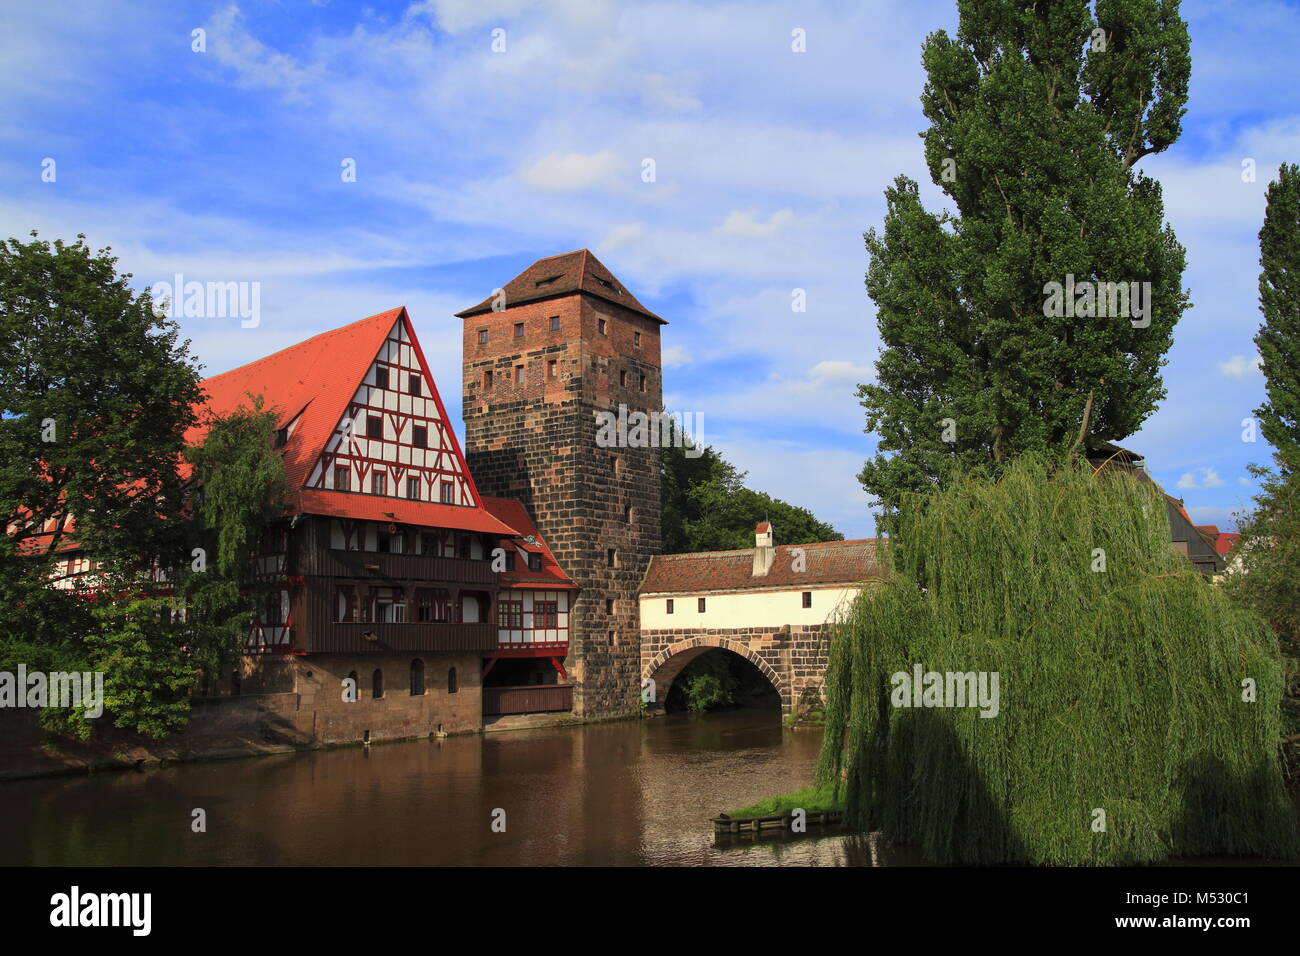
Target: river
<point x="626" y="793"/>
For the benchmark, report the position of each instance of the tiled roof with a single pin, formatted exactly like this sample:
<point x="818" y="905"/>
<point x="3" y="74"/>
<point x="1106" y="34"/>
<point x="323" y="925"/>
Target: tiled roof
<point x="560" y="275"/>
<point x="830" y="562"/>
<point x="514" y="514"/>
<point x="342" y="504"/>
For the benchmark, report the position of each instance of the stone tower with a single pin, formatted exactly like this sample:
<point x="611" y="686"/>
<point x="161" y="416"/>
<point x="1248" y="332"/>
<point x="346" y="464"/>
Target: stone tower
<point x="559" y="343"/>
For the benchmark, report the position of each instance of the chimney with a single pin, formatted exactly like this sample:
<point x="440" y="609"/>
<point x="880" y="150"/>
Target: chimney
<point x="764" y="550"/>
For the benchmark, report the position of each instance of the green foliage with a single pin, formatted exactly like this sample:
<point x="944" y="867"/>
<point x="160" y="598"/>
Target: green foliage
<point x="1279" y="300"/>
<point x="706" y="507"/>
<point x="705" y="692"/>
<point x="1033" y="134"/>
<point x="84" y="361"/>
<point x="811" y="799"/>
<point x="1120" y="689"/>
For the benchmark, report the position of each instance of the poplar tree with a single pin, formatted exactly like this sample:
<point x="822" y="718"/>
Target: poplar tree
<point x="1038" y="114"/>
<point x="1279" y="300"/>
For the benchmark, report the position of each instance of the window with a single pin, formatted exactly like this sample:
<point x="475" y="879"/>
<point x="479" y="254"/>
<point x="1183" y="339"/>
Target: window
<point x="622" y="378"/>
<point x="413" y="488"/>
<point x="448" y="493"/>
<point x="807" y="599"/>
<point x="555" y="323"/>
<point x="519" y="330"/>
<point x="487" y="381"/>
<point x="281" y="436"/>
<point x="534" y="561"/>
<point x="642" y="385"/>
<point x="420" y="436"/>
<point x="551" y="369"/>
<point x="700" y="608"/>
<point x="374" y="426"/>
<point x="510" y="614"/>
<point x="609" y="605"/>
<point x="417" y="678"/>
<point x="636" y="339"/>
<point x="377" y="684"/>
<point x="519" y="375"/>
<point x="482" y="336"/>
<point x="611" y="557"/>
<point x="545" y="615"/>
<point x="432" y="606"/>
<point x="600" y="326"/>
<point x="381" y="378"/>
<point x="627" y="513"/>
<point x="389" y="542"/>
<point x="452" y="686"/>
<point x="379" y="483"/>
<point x="415" y="385"/>
<point x="390" y="606"/>
<point x="670" y="605"/>
<point x="342" y="476"/>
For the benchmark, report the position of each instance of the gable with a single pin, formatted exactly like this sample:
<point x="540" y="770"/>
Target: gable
<point x="393" y="439"/>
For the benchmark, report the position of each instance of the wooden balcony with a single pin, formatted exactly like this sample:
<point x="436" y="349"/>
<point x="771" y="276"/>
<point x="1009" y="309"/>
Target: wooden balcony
<point x="376" y="568"/>
<point x="335" y="638"/>
<point x="532" y="699"/>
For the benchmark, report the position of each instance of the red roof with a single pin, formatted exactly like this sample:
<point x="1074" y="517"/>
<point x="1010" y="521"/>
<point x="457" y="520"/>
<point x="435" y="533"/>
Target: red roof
<point x="514" y="514"/>
<point x="829" y="562"/>
<point x="342" y="504"/>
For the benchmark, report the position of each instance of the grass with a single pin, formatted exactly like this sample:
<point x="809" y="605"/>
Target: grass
<point x="811" y="799"/>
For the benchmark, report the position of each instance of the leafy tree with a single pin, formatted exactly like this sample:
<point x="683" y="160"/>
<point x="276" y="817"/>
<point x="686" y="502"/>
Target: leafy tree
<point x="1279" y="299"/>
<point x="96" y="394"/>
<point x="706" y="507"/>
<point x="1038" y="113"/>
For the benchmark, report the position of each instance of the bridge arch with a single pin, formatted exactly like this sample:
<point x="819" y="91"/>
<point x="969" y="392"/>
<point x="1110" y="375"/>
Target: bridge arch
<point x="664" y="667"/>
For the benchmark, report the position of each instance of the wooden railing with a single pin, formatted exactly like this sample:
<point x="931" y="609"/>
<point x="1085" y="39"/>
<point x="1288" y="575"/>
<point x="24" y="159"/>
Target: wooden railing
<point x="336" y="638"/>
<point x="530" y="699"/>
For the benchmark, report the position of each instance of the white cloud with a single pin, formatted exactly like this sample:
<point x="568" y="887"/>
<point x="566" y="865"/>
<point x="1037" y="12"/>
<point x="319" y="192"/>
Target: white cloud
<point x="623" y="234"/>
<point x="675" y="356"/>
<point x="1209" y="479"/>
<point x="745" y="224"/>
<point x="571" y="171"/>
<point x="1239" y="366"/>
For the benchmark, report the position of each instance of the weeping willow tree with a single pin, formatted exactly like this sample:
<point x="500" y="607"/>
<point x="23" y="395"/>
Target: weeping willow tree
<point x="1138" y="708"/>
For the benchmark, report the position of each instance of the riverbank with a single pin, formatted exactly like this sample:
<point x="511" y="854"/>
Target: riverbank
<point x="225" y="728"/>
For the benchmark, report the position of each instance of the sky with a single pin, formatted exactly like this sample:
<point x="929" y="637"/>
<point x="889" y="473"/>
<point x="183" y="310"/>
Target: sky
<point x="485" y="134"/>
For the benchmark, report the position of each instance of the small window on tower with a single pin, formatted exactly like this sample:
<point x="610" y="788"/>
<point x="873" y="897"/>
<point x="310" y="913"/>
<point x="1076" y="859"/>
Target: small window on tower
<point x="609" y="605"/>
<point x="600" y="326"/>
<point x="611" y="558"/>
<point x="551" y="369"/>
<point x="379" y="483"/>
<point x="636" y="339"/>
<point x="342" y="478"/>
<point x="374" y="426"/>
<point x="413" y="488"/>
<point x="414" y="385"/>
<point x="519" y="375"/>
<point x="487" y="381"/>
<point x="482" y="336"/>
<point x="622" y="378"/>
<point x="420" y="436"/>
<point x="381" y="378"/>
<point x="519" y="330"/>
<point x="642" y="386"/>
<point x="555" y="323"/>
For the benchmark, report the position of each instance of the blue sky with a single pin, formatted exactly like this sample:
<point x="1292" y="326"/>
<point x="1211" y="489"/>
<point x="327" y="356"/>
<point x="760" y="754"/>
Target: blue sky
<point x="225" y="165"/>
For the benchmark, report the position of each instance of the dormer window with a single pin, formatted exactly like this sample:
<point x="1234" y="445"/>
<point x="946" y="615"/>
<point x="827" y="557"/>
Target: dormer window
<point x="534" y="561"/>
<point x="542" y="283"/>
<point x="607" y="284"/>
<point x="281" y="436"/>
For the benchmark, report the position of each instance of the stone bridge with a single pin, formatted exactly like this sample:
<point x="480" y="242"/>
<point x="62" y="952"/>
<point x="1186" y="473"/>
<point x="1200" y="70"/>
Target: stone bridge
<point x="791" y="657"/>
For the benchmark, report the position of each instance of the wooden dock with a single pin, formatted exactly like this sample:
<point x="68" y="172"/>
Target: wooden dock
<point x="815" y="818"/>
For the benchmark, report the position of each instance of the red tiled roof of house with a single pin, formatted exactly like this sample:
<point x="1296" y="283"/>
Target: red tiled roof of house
<point x="343" y="504"/>
<point x="514" y="514"/>
<point x="829" y="562"/>
<point x="560" y="275"/>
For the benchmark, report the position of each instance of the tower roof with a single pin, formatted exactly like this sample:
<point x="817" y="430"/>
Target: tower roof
<point x="565" y="274"/>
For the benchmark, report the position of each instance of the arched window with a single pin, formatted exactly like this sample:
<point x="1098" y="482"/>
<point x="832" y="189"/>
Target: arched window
<point x="377" y="684"/>
<point x="451" y="681"/>
<point x="417" y="678"/>
<point x="356" y="687"/>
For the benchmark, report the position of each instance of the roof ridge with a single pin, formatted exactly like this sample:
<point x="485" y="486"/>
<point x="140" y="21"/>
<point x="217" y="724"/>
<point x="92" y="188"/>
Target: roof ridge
<point x="298" y="345"/>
